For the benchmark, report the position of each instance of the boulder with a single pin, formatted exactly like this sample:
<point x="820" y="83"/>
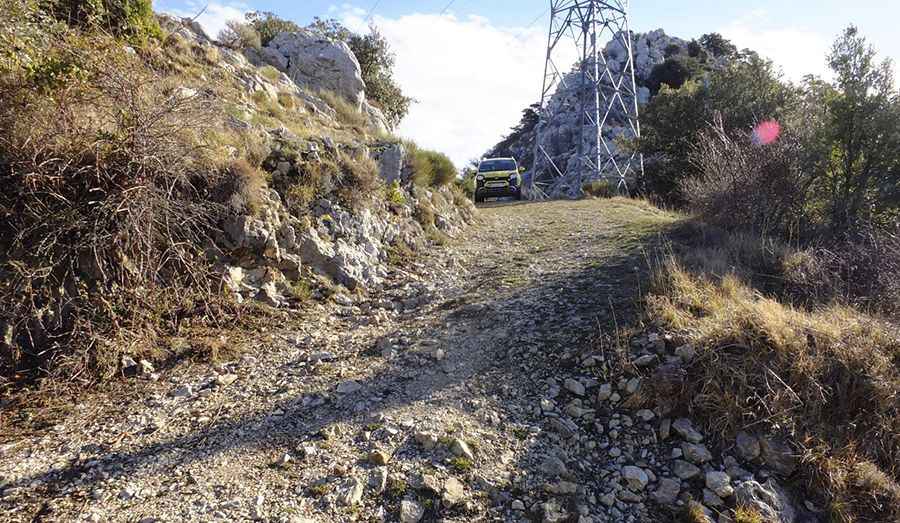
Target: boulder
<point x="778" y="455"/>
<point x="320" y="63"/>
<point x="390" y="162"/>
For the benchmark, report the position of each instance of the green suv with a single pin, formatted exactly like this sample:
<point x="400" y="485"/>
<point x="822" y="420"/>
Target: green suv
<point x="498" y="177"/>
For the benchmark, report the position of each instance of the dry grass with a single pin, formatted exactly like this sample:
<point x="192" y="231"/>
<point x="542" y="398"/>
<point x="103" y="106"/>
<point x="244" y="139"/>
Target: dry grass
<point x="825" y="375"/>
<point x="747" y="515"/>
<point x="249" y="184"/>
<point x="347" y="114"/>
<point x="598" y="189"/>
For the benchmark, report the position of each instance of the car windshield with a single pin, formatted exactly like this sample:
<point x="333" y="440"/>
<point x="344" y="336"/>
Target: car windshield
<point x="490" y="166"/>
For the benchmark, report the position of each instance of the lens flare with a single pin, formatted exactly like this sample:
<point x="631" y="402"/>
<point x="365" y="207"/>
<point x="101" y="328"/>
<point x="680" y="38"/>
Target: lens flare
<point x="767" y="132"/>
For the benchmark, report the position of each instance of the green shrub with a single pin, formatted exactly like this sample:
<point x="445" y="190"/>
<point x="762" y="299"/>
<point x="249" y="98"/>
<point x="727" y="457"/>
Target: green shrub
<point x="269" y="25"/>
<point x="430" y="168"/>
<point x="133" y="19"/>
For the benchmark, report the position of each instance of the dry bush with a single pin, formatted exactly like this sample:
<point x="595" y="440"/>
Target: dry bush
<point x="743" y="185"/>
<point x="249" y="184"/>
<point x="107" y="207"/>
<point x="827" y="376"/>
<point x="597" y="189"/>
<point x="860" y="267"/>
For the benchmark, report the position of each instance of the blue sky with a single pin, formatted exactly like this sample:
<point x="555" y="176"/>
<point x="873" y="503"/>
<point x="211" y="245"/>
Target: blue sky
<point x="439" y="53"/>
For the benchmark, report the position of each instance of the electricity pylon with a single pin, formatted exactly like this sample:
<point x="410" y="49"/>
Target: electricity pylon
<point x="606" y="93"/>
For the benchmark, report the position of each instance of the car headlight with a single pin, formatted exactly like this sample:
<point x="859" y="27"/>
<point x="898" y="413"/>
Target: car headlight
<point x="480" y="177"/>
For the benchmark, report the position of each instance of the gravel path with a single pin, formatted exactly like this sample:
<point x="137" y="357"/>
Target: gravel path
<point x="478" y="385"/>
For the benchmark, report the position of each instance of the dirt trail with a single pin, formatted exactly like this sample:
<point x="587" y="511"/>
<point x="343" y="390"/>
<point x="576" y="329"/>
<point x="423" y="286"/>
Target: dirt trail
<point x="475" y="373"/>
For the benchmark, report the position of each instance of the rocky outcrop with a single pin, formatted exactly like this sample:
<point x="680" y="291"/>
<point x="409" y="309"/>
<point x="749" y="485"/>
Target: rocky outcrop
<point x="315" y="63"/>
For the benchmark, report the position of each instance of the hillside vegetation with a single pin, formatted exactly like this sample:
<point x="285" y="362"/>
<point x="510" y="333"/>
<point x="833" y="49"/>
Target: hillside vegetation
<point x="786" y="283"/>
<point x="131" y="147"/>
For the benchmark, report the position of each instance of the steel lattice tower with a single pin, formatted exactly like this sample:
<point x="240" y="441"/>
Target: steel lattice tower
<point x="606" y="91"/>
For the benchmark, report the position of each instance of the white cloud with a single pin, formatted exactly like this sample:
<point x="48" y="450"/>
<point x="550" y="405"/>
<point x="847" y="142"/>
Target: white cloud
<point x="214" y="17"/>
<point x="798" y="51"/>
<point x="472" y="79"/>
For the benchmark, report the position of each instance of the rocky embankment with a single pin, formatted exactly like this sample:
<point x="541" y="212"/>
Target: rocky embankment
<point x="271" y="249"/>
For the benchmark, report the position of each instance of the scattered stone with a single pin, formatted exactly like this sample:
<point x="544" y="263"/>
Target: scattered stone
<point x="665" y="428"/>
<point x="711" y="499"/>
<point x="687" y="353"/>
<point x="518" y="505"/>
<point x="667" y="492"/>
<point x="770" y="500"/>
<point x="686" y="430"/>
<point x="426" y="440"/>
<point x="645" y="360"/>
<point x="748" y="447"/>
<point x="720" y="483"/>
<point x="635" y="477"/>
<point x="461" y="448"/>
<point x="685" y="470"/>
<point x="605" y="392"/>
<point x="184" y="391"/>
<point x="697" y="454"/>
<point x="574" y="386"/>
<point x="454" y="492"/>
<point x="778" y="455"/>
<point x="348" y="387"/>
<point x="378" y="480"/>
<point x="410" y="511"/>
<point x="350" y="493"/>
<point x="225" y="380"/>
<point x="645" y="415"/>
<point x="552" y="512"/>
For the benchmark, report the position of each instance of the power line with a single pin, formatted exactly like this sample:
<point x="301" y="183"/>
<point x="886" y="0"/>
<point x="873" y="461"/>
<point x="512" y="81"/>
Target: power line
<point x="538" y="18"/>
<point x="372" y="10"/>
<point x="444" y="11"/>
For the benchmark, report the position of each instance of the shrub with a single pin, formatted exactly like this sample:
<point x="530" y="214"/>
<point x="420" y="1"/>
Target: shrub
<point x="269" y="25"/>
<point x="743" y="185"/>
<point x="598" y="189"/>
<point x="107" y="204"/>
<point x="239" y="35"/>
<point x="430" y="168"/>
<point x="249" y="183"/>
<point x="674" y="72"/>
<point x="133" y="19"/>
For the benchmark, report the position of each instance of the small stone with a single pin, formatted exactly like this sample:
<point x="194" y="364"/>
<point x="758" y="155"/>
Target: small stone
<point x="686" y="430"/>
<point x="128" y="363"/>
<point x="184" y="391"/>
<point x="748" y="447"/>
<point x="461" y="448"/>
<point x="379" y="458"/>
<point x="410" y="511"/>
<point x="574" y="386"/>
<point x="225" y="380"/>
<point x="697" y="454"/>
<point x="518" y="505"/>
<point x="349" y="387"/>
<point x="711" y="499"/>
<point x="378" y="480"/>
<point x="635" y="477"/>
<point x="778" y="455"/>
<point x="426" y="439"/>
<point x="605" y="392"/>
<point x="645" y="360"/>
<point x="685" y="470"/>
<point x="350" y="493"/>
<point x="720" y="483"/>
<point x="454" y="492"/>
<point x="645" y="415"/>
<point x="667" y="491"/>
<point x="633" y="385"/>
<point x="686" y="352"/>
